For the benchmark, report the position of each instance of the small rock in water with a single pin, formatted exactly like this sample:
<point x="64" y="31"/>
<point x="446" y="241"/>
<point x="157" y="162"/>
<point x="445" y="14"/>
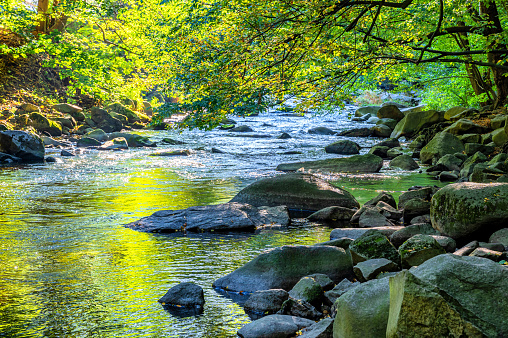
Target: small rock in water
<point x="172" y="142"/>
<point x="217" y="151"/>
<point x="66" y="153"/>
<point x="173" y="153"/>
<point x="284" y="136"/>
<point x="184" y="294"/>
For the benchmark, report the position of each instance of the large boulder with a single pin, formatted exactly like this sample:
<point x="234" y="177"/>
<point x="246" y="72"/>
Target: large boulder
<point x="131" y="115"/>
<point x="299" y="192"/>
<point x="43" y="124"/>
<point x="449" y="296"/>
<point x="308" y="290"/>
<point x="27" y="146"/>
<point x="415" y="121"/>
<point x="283" y="267"/>
<point x="343" y="147"/>
<point x="274" y="326"/>
<point x="355" y="164"/>
<point x="321" y="329"/>
<point x="462" y="209"/>
<point x="105" y="121"/>
<point x="363" y="311"/>
<point x="362" y="111"/>
<point x="442" y="144"/>
<point x="355" y="233"/>
<point x="404" y="162"/>
<point x="184" y="294"/>
<point x="228" y="216"/>
<point x="390" y="111"/>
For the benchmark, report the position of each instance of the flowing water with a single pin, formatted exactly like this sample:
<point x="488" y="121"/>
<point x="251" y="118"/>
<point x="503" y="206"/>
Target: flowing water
<point x="68" y="267"/>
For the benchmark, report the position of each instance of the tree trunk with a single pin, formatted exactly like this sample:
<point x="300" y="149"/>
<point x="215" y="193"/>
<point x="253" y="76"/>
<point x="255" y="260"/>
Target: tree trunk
<point x="42" y="10"/>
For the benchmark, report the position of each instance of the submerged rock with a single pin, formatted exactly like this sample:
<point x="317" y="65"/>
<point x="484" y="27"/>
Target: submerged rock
<point x="265" y="302"/>
<point x="355" y="164"/>
<point x="282" y="268"/>
<point x="228" y="216"/>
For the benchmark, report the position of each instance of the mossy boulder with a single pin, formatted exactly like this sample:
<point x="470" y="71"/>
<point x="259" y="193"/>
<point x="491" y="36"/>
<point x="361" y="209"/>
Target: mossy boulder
<point x="461" y="209"/>
<point x="103" y="120"/>
<point x="116" y="143"/>
<point x="362" y="111"/>
<point x="86" y="141"/>
<point x="132" y="116"/>
<point x="453" y="111"/>
<point x="441" y="144"/>
<point x="299" y="192"/>
<point x="98" y="134"/>
<point x="308" y="290"/>
<point x="373" y="244"/>
<point x="464" y="126"/>
<point x="390" y="111"/>
<point x="415" y="121"/>
<point x="419" y="249"/>
<point x="45" y="125"/>
<point x="134" y="140"/>
<point x="283" y="267"/>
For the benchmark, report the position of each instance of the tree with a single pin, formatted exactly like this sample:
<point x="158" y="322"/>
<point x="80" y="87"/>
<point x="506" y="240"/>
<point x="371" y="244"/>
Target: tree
<point x="232" y="52"/>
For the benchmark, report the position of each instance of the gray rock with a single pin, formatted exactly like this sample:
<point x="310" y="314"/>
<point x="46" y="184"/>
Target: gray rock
<point x="450" y="296"/>
<point x="390" y="111"/>
<point x="321" y="329"/>
<point x="373" y="244"/>
<point x="343" y="147"/>
<point x="467" y="249"/>
<point x="323" y="280"/>
<point x="500" y="236"/>
<point x="424" y="193"/>
<point x="184" y="294"/>
<point x="66" y="153"/>
<point x="393" y="153"/>
<point x="227" y="216"/>
<point x="297" y="191"/>
<point x="49" y="141"/>
<point x="284" y="136"/>
<point x="384" y="197"/>
<point x="356" y="132"/>
<point x="450" y="161"/>
<point x="381" y="130"/>
<point x="241" y="129"/>
<point x="274" y="326"/>
<point x="390" y="143"/>
<point x="492" y="246"/>
<point x="266" y="301"/>
<point x="339" y="242"/>
<point x="282" y="268"/>
<point x="448" y="176"/>
<point x="370" y="268"/>
<point x="498" y="121"/>
<point x="461" y="209"/>
<point x="299" y="308"/>
<point x="362" y="111"/>
<point x="415" y="207"/>
<point x="454" y="111"/>
<point x="43" y="124"/>
<point x="472" y="148"/>
<point x="355" y="233"/>
<point x="332" y="215"/>
<point x="447" y="243"/>
<point x="184" y="152"/>
<point x="98" y="134"/>
<point x="419" y="249"/>
<point x="390" y="123"/>
<point x="339" y="289"/>
<point x="442" y="144"/>
<point x="363" y="311"/>
<point x="23" y="145"/>
<point x="321" y="131"/>
<point x="495" y="256"/>
<point x="87" y="142"/>
<point x="354" y="164"/>
<point x="372" y="217"/>
<point x="402" y="235"/>
<point x="404" y="162"/>
<point x="381" y="151"/>
<point x="388" y="211"/>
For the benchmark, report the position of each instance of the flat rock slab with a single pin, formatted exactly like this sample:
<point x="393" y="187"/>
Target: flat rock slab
<point x="228" y="216"/>
<point x="355" y="164"/>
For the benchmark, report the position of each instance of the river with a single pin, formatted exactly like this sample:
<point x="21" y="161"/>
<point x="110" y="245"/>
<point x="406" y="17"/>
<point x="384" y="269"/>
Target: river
<point x="68" y="267"/>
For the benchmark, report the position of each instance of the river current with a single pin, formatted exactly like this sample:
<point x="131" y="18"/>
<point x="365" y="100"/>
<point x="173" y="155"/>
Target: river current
<point x="69" y="268"/>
